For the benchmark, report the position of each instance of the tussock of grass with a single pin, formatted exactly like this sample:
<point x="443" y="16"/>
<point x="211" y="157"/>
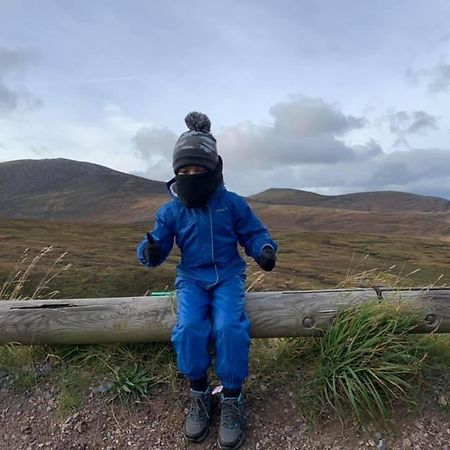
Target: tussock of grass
<point x="23" y="271"/>
<point x="132" y="369"/>
<point x="367" y="361"/>
<point x="132" y="382"/>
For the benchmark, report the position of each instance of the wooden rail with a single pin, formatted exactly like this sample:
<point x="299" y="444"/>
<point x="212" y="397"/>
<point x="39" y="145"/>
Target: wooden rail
<point x="147" y="319"/>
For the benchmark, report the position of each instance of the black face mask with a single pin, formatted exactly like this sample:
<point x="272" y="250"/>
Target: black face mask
<point x="194" y="190"/>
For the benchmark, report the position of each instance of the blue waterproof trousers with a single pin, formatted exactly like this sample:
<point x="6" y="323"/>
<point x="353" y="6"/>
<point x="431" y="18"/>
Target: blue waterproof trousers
<point x="212" y="315"/>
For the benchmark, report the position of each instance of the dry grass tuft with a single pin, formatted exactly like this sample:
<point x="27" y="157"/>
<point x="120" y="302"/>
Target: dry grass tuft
<point x="20" y="275"/>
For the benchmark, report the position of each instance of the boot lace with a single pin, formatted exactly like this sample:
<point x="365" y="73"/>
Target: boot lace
<point x="198" y="410"/>
<point x="231" y="413"/>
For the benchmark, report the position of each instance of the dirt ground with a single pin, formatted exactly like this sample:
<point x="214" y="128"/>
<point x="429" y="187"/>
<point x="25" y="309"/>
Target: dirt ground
<point x="30" y="421"/>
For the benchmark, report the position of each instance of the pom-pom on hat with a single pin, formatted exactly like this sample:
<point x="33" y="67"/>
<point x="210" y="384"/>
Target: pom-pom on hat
<point x="196" y="147"/>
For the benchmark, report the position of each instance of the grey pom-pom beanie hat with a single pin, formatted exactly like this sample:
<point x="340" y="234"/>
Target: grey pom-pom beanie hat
<point x="196" y="147"/>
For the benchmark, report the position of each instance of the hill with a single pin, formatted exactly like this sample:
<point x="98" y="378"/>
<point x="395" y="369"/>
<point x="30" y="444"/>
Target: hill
<point x="74" y="191"/>
<point x="63" y="189"/>
<point x="383" y="201"/>
<point x="304" y="218"/>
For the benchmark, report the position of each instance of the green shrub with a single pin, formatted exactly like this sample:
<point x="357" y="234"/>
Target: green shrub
<point x="132" y="383"/>
<point x="367" y="360"/>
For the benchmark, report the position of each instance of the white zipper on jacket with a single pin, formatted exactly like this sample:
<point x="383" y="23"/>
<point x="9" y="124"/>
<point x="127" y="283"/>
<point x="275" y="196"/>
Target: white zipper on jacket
<point x="212" y="246"/>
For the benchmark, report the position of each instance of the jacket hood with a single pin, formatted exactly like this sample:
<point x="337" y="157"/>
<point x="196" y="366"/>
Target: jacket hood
<point x="172" y="187"/>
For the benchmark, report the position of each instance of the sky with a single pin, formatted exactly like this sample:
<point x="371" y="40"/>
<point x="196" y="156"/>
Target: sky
<point x="327" y="96"/>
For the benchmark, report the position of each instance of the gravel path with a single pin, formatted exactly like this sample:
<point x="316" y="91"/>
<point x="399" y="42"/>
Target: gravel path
<point x="29" y="421"/>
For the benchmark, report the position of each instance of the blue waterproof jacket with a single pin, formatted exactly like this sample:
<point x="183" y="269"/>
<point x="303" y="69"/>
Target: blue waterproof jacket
<point x="208" y="236"/>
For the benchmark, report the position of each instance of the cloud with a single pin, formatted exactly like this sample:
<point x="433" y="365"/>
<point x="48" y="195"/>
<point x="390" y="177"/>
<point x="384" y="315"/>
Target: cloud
<point x="304" y="131"/>
<point x="440" y="78"/>
<point x="403" y="122"/>
<point x="16" y="100"/>
<point x="305" y="116"/>
<point x="303" y="148"/>
<point x="436" y="78"/>
<point x="416" y="170"/>
<point x="399" y="168"/>
<point x="14" y="97"/>
<point x="15" y="61"/>
<point x="106" y="141"/>
<point x="424" y="171"/>
<point x="154" y="146"/>
<point x="264" y="147"/>
<point x="153" y="142"/>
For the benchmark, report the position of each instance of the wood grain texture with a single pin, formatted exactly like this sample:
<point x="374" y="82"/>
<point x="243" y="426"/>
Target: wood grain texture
<point x="150" y="319"/>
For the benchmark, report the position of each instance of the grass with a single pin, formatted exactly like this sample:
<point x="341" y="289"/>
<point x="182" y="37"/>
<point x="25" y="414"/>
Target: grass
<point x="364" y="378"/>
<point x="280" y="360"/>
<point x="132" y="382"/>
<point x="367" y="360"/>
<point x="72" y="385"/>
<point x="131" y="370"/>
<point x="23" y="272"/>
<point x="104" y="263"/>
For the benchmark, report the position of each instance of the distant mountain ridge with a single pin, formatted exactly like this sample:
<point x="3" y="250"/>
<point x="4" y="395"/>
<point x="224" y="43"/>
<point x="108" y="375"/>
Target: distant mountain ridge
<point x="64" y="189"/>
<point x="74" y="191"/>
<point x="383" y="201"/>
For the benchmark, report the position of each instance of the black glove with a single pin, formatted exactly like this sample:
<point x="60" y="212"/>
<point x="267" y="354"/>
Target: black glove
<point x="153" y="251"/>
<point x="267" y="259"/>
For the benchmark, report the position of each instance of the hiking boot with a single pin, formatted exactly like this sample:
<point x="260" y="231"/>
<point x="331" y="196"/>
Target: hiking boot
<point x="231" y="430"/>
<point x="198" y="417"/>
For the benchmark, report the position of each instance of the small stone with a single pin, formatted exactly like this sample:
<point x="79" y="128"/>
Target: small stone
<point x="103" y="388"/>
<point x="81" y="426"/>
<point x="406" y="442"/>
<point x="46" y="369"/>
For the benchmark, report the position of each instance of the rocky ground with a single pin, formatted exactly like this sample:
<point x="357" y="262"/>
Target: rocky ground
<point x="30" y="420"/>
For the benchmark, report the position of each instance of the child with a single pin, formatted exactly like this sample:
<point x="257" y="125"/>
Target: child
<point x="207" y="222"/>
